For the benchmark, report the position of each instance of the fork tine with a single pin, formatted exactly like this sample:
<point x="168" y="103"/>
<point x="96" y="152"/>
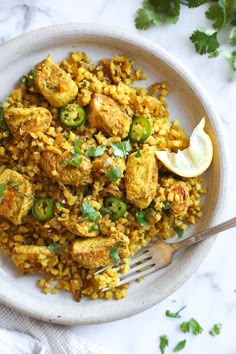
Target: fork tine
<point x="128" y="277"/>
<point x="140" y="256"/>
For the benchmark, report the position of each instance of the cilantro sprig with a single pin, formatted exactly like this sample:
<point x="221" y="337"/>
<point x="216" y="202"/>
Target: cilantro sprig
<point x="88" y="212"/>
<point x="222" y="13"/>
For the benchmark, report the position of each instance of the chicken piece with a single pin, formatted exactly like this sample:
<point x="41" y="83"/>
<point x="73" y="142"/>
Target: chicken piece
<point x="17" y="198"/>
<point x="141" y="178"/>
<point x="83" y="228"/>
<point x="178" y="196"/>
<point x="99" y="251"/>
<point x="59" y="168"/>
<point x="104" y="114"/>
<point x="33" y="259"/>
<point x="54" y="83"/>
<point x="23" y="121"/>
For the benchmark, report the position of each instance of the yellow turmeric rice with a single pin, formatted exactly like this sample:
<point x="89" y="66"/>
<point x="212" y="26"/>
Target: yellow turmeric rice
<point x="80" y="185"/>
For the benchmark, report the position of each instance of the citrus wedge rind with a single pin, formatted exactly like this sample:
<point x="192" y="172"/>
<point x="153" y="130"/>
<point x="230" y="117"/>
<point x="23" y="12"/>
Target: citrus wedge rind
<point x="195" y="159"/>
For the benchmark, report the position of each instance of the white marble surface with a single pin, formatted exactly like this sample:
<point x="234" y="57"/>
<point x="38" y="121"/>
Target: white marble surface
<point x="210" y="294"/>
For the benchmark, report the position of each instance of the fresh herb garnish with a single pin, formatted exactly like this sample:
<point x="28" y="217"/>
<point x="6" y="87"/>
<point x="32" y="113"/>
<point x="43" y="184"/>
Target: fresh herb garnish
<point x="94" y="227"/>
<point x="141" y="217"/>
<point x="58" y="205"/>
<point x="174" y="314"/>
<point x="179" y="231"/>
<point x="54" y="246"/>
<point x="114" y="254"/>
<point x="180" y="346"/>
<point x="138" y="154"/>
<point x="122" y="148"/>
<point x="114" y="173"/>
<point x="164" y="342"/>
<point x="215" y="329"/>
<point x="95" y="151"/>
<point x="222" y="13"/>
<point x="191" y="326"/>
<point x="77" y="157"/>
<point x="166" y="205"/>
<point x="28" y="79"/>
<point x="88" y="212"/>
<point x="3" y="187"/>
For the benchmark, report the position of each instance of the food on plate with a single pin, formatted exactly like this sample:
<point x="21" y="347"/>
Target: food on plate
<point x="193" y="160"/>
<point x="86" y="173"/>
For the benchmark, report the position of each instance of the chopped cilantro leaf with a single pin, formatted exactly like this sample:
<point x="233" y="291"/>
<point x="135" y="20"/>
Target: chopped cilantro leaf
<point x="143" y="20"/>
<point x="166" y="205"/>
<point x="179" y="231"/>
<point x="180" y="346"/>
<point x="94" y="227"/>
<point x="76" y="159"/>
<point x="88" y="212"/>
<point x="215" y="329"/>
<point x="138" y="154"/>
<point x="114" y="254"/>
<point x="122" y="148"/>
<point x="205" y="42"/>
<point x="95" y="151"/>
<point x="164" y="342"/>
<point x="141" y="218"/>
<point x="191" y="326"/>
<point x="3" y="187"/>
<point x="54" y="246"/>
<point x="114" y="173"/>
<point x="58" y="205"/>
<point x="174" y="314"/>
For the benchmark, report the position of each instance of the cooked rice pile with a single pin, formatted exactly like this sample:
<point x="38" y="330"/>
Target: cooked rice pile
<point x="176" y="203"/>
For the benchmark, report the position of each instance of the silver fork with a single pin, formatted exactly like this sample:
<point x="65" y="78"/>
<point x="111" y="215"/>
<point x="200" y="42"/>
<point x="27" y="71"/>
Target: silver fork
<point x="159" y="254"/>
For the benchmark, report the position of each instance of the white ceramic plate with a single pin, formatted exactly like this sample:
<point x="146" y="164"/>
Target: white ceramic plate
<point x="188" y="102"/>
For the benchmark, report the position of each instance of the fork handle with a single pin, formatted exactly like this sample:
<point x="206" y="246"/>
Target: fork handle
<point x="200" y="236"/>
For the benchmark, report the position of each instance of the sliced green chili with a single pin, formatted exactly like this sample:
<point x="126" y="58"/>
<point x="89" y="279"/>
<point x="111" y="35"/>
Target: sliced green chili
<point x="73" y="115"/>
<point x="140" y="129"/>
<point x="42" y="208"/>
<point x="116" y="206"/>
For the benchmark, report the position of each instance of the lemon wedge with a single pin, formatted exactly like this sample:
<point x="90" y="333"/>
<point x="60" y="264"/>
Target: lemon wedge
<point x="194" y="160"/>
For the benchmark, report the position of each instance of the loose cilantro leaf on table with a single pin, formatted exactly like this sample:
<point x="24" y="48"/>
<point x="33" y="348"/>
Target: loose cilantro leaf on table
<point x="222" y="13"/>
<point x="215" y="329"/>
<point x="191" y="326"/>
<point x="180" y="346"/>
<point x="164" y="342"/>
<point x="88" y="212"/>
<point x="174" y="314"/>
<point x="205" y="42"/>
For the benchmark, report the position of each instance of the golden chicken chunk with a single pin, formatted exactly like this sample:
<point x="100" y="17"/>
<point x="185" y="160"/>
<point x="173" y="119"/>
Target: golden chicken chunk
<point x="54" y="83"/>
<point x="141" y="178"/>
<point x="17" y="197"/>
<point x="22" y="121"/>
<point x="100" y="251"/>
<point x="83" y="228"/>
<point x="31" y="259"/>
<point x="59" y="168"/>
<point x="105" y="114"/>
